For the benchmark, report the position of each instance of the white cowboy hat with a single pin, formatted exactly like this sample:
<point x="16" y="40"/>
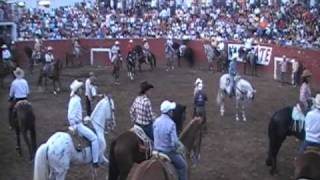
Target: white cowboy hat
<point x="75" y="85"/>
<point x="130" y="41"/>
<point x="167" y="106"/>
<point x="4" y="46"/>
<point x="18" y="73"/>
<point x="198" y="81"/>
<point x="200" y="86"/>
<point x="50" y="48"/>
<point x="117" y="42"/>
<point x="144" y="39"/>
<point x="317" y="101"/>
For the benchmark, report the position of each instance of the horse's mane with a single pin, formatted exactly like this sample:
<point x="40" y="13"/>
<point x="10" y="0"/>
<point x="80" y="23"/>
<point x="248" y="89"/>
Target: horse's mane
<point x="191" y="129"/>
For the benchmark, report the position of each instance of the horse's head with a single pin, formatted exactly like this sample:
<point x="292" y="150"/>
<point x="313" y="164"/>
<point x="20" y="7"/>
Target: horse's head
<point x="104" y="111"/>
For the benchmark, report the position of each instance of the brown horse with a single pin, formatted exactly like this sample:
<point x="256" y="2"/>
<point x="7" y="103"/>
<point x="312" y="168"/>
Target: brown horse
<point x="24" y="121"/>
<point x="307" y="165"/>
<point x="125" y="151"/>
<point x="5" y="70"/>
<point x="156" y="169"/>
<point x="54" y="75"/>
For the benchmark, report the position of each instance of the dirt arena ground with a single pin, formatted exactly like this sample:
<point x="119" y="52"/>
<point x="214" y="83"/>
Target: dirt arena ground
<point x="231" y="150"/>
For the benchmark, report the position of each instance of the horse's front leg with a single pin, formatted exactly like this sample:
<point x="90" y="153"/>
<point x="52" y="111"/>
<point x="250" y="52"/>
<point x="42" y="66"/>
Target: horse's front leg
<point x="244" y="111"/>
<point x="54" y="87"/>
<point x="40" y="83"/>
<point x="237" y="109"/>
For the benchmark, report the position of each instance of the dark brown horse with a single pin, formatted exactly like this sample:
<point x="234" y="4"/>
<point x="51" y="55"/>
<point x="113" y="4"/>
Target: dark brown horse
<point x="5" y="70"/>
<point x="307" y="165"/>
<point x="125" y="151"/>
<point x="156" y="169"/>
<point x="280" y="127"/>
<point x="54" y="75"/>
<point x="24" y="122"/>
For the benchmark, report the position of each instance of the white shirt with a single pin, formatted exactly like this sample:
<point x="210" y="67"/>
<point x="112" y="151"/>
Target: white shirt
<point x="115" y="50"/>
<point x="49" y="58"/>
<point x="312" y="126"/>
<point x="19" y="88"/>
<point x="74" y="110"/>
<point x="146" y="45"/>
<point x="91" y="90"/>
<point x="295" y="66"/>
<point x="6" y="54"/>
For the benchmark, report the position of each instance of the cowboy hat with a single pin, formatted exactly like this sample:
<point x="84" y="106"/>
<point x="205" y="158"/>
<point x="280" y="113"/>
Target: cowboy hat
<point x="167" y="106"/>
<point x="130" y="41"/>
<point x="145" y="86"/>
<point x="18" y="73"/>
<point x="117" y="42"/>
<point x="50" y="48"/>
<point x="198" y="81"/>
<point x="4" y="46"/>
<point x="75" y="85"/>
<point x="144" y="39"/>
<point x="306" y="73"/>
<point x="317" y="101"/>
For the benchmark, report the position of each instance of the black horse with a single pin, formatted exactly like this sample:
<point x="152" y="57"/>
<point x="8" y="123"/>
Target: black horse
<point x="125" y="151"/>
<point x="141" y="57"/>
<point x="280" y="126"/>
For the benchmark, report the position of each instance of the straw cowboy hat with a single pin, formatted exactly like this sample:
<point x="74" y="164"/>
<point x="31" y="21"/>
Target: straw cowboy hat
<point x="18" y="73"/>
<point x="130" y="41"/>
<point x="117" y="43"/>
<point x="145" y="86"/>
<point x="306" y="73"/>
<point x="144" y="39"/>
<point x="50" y="48"/>
<point x="75" y="85"/>
<point x="198" y="81"/>
<point x="316" y="101"/>
<point x="4" y="46"/>
<point x="167" y="106"/>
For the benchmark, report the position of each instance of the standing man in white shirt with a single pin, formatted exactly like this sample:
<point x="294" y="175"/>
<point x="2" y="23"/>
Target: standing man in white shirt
<point x="49" y="59"/>
<point x="90" y="93"/>
<point x="6" y="56"/>
<point x="312" y="126"/>
<point x="19" y="90"/>
<point x="295" y="72"/>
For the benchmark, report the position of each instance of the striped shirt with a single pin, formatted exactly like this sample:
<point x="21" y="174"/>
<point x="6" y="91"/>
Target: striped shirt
<point x="141" y="111"/>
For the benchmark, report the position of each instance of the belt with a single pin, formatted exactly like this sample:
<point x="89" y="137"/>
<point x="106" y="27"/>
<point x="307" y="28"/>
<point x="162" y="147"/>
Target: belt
<point x="141" y="124"/>
<point x="20" y="99"/>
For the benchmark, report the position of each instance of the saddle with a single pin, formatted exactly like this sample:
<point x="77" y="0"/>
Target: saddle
<point x="80" y="142"/>
<point x="165" y="161"/>
<point x="145" y="143"/>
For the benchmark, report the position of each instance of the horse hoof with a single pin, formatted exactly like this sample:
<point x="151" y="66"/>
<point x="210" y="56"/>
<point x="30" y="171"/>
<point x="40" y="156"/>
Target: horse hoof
<point x="244" y="119"/>
<point x="54" y="93"/>
<point x="268" y="162"/>
<point x="237" y="118"/>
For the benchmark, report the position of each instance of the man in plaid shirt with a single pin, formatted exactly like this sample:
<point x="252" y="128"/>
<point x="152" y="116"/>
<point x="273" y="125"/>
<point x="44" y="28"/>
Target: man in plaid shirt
<point x="141" y="110"/>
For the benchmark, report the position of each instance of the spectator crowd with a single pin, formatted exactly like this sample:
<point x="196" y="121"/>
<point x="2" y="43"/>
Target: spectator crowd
<point x="288" y="24"/>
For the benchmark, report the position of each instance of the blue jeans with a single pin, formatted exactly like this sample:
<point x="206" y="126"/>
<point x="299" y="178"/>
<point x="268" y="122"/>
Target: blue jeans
<point x="180" y="164"/>
<point x="306" y="144"/>
<point x="148" y="129"/>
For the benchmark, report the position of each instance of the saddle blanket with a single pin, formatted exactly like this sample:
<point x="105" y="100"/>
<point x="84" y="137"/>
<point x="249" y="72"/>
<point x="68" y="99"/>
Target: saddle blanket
<point x="143" y="137"/>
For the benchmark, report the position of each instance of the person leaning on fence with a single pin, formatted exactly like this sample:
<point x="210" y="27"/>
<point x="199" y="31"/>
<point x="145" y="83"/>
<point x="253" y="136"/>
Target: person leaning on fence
<point x="295" y="72"/>
<point x="283" y="69"/>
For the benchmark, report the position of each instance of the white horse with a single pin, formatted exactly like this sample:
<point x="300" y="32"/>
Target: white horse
<point x="244" y="92"/>
<point x="53" y="158"/>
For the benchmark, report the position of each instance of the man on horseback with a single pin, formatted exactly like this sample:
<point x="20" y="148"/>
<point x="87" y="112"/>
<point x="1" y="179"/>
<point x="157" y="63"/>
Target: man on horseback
<point x="146" y="50"/>
<point x="312" y="126"/>
<point x="141" y="113"/>
<point x="49" y="60"/>
<point x="6" y="56"/>
<point x="233" y="72"/>
<point x="116" y="61"/>
<point x="75" y="121"/>
<point x="170" y="53"/>
<point x="166" y="139"/>
<point x="90" y="93"/>
<point x="19" y="90"/>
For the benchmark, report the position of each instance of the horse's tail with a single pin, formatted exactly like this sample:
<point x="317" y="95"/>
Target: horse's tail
<point x="113" y="167"/>
<point x="41" y="163"/>
<point x="219" y="97"/>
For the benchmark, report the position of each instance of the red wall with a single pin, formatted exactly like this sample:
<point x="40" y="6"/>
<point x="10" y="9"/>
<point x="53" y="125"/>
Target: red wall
<point x="309" y="58"/>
